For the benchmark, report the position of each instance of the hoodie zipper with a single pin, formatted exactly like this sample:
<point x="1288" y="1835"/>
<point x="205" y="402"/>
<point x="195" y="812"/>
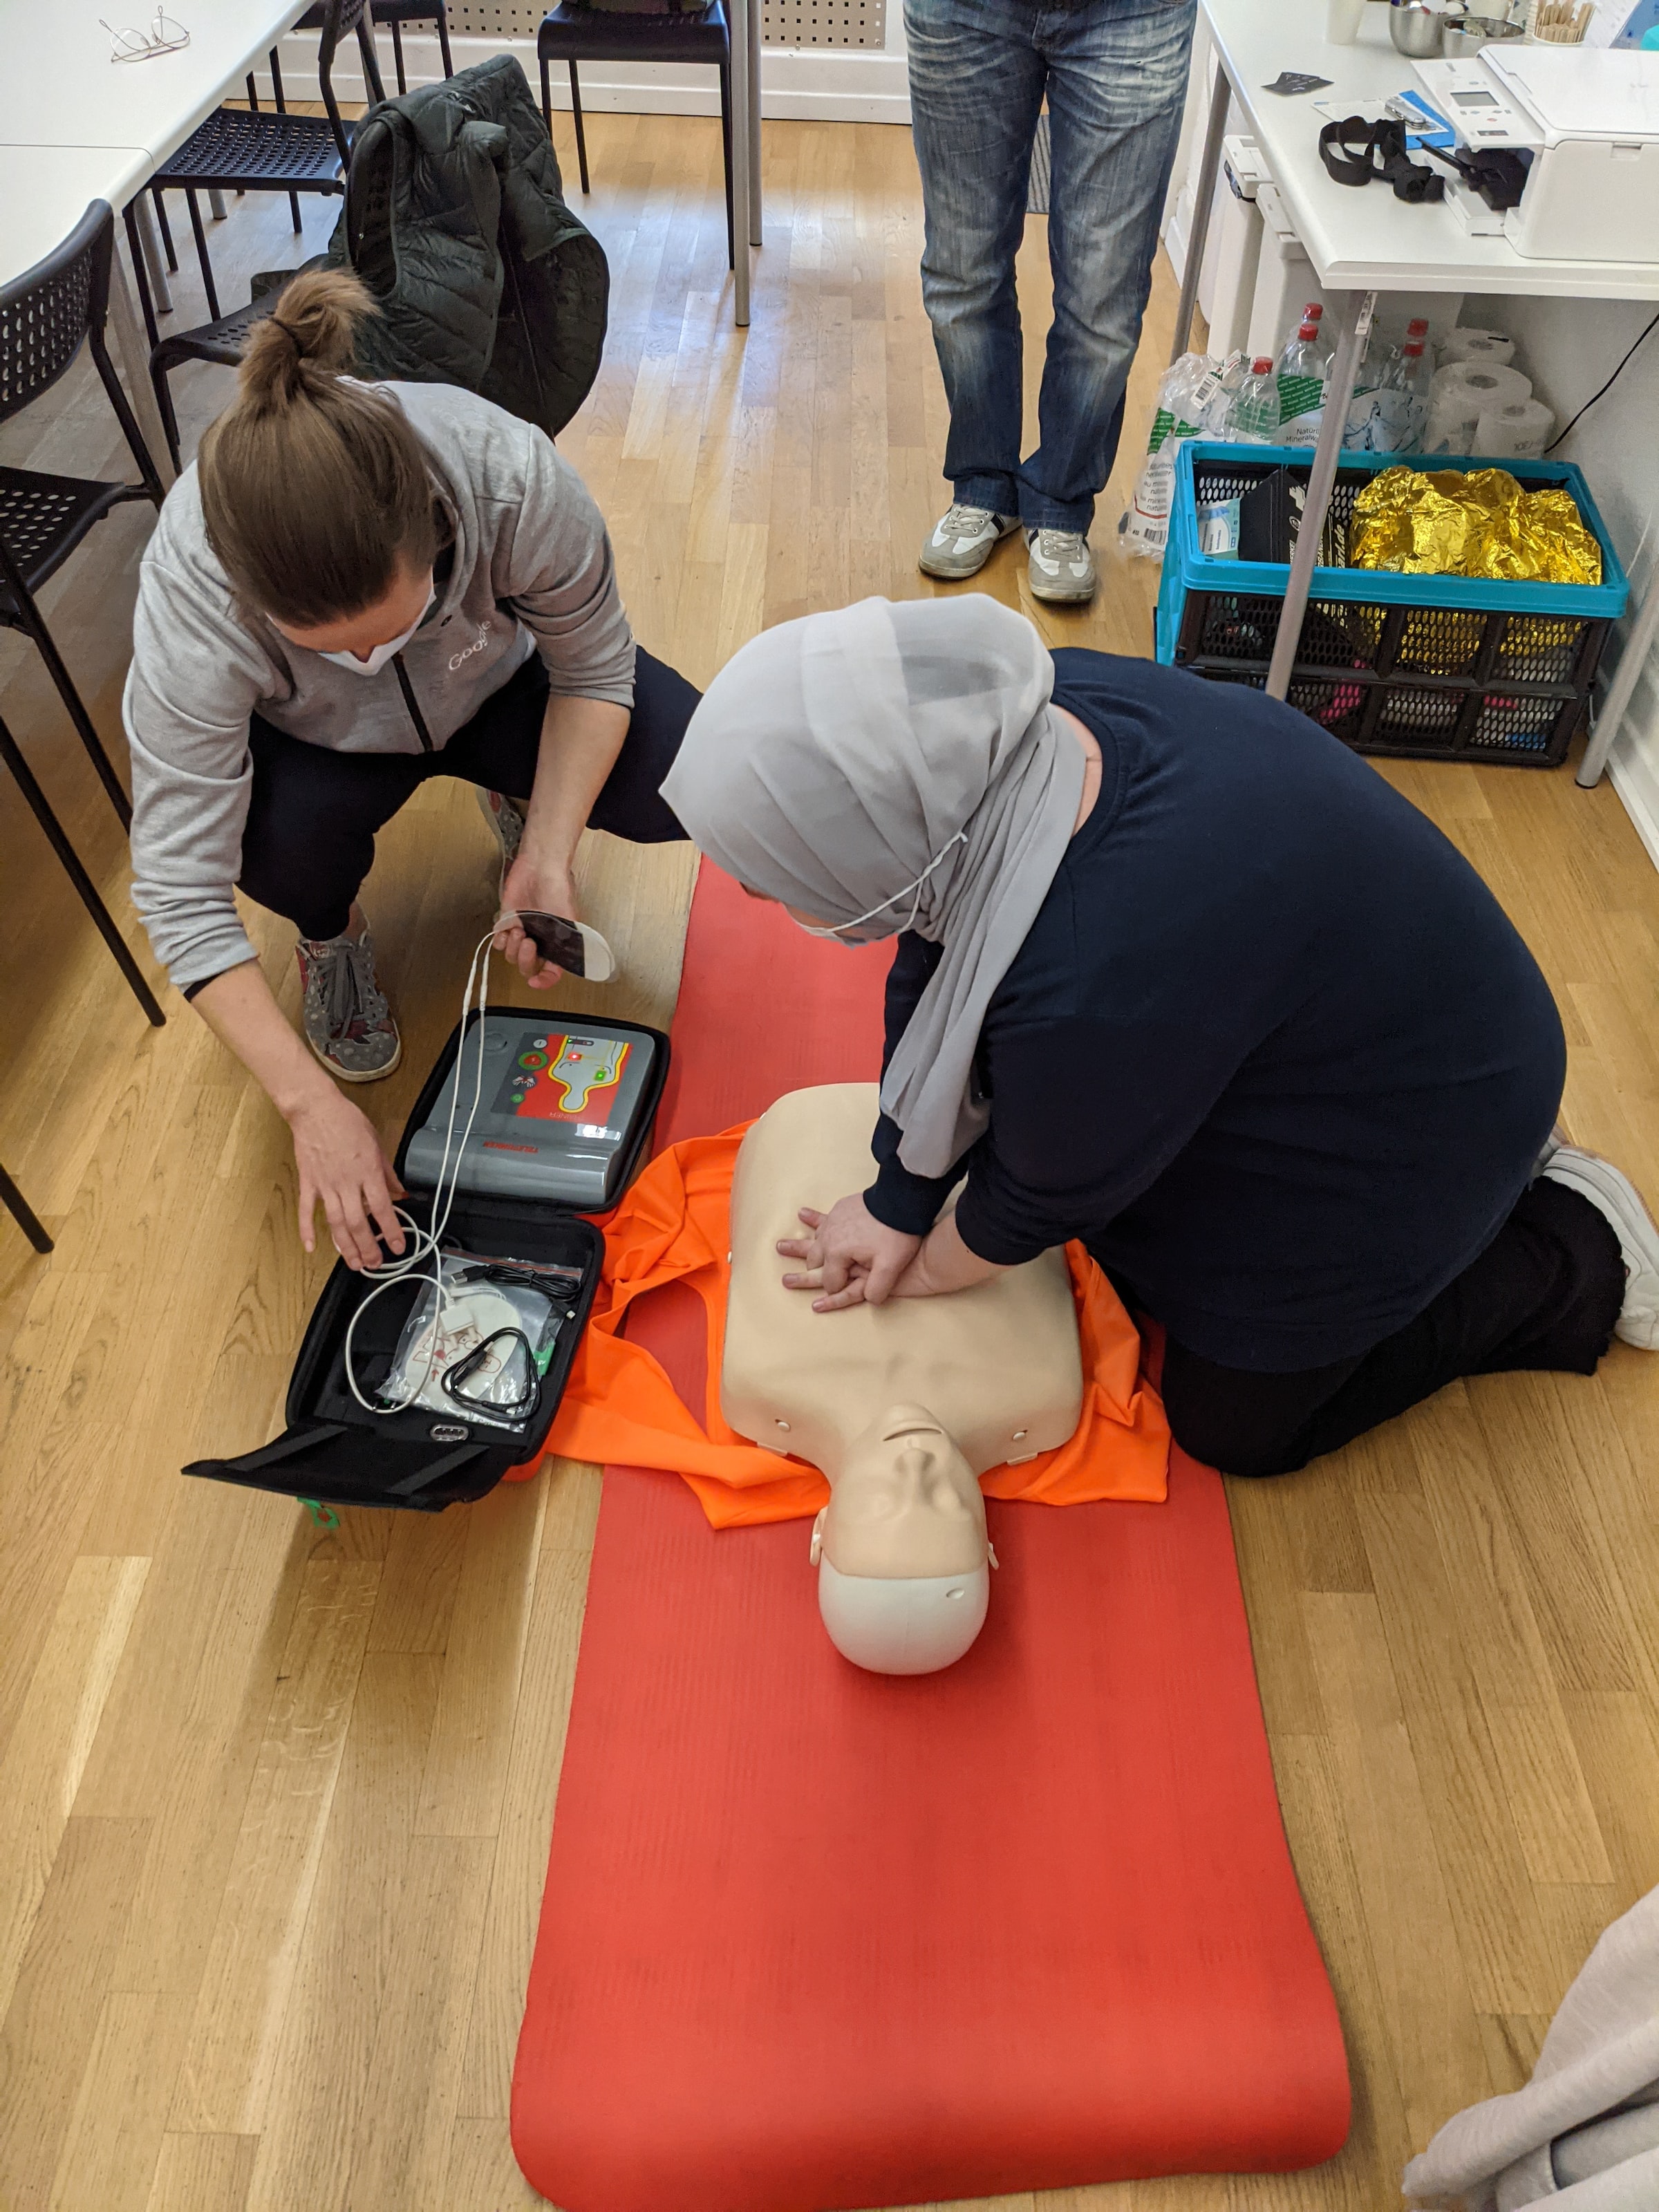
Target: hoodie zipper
<point x="413" y="704"/>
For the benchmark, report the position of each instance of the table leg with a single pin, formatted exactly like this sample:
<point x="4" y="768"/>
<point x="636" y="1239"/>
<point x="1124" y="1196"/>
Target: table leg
<point x="755" y="9"/>
<point x="1632" y="661"/>
<point x="132" y="350"/>
<point x="1214" y="131"/>
<point x="216" y="202"/>
<point x="155" y="261"/>
<point x="1339" y="391"/>
<point x="737" y="13"/>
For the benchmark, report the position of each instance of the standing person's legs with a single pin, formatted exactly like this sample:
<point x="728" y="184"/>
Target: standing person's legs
<point x="976" y="87"/>
<point x="1545" y="1294"/>
<point x="1117" y="86"/>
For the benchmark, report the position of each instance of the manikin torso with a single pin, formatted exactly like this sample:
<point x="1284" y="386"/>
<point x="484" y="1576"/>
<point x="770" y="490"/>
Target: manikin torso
<point x="903" y="1406"/>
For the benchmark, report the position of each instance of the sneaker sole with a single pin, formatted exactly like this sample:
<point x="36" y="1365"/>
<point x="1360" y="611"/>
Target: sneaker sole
<point x="1064" y="595"/>
<point x="959" y="574"/>
<point x="365" y="1075"/>
<point x="1614" y="1196"/>
<point x="508" y="858"/>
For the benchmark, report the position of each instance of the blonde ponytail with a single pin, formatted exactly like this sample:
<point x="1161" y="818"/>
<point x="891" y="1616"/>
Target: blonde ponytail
<point x="315" y="491"/>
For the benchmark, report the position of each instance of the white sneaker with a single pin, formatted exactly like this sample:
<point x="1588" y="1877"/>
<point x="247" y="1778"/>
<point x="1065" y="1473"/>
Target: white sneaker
<point x="1616" y="1200"/>
<point x="1062" y="566"/>
<point x="962" y="541"/>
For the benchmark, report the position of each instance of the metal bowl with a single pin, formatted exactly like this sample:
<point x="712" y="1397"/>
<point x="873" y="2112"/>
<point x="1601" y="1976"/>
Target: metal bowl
<point x="1465" y="35"/>
<point x="1415" y="29"/>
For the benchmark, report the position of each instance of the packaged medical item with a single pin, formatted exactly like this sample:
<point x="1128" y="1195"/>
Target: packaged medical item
<point x="480" y="1337"/>
<point x="1482" y="522"/>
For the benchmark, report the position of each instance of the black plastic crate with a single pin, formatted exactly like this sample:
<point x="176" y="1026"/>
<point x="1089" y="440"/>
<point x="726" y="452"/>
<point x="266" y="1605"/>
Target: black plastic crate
<point x="1419" y="667"/>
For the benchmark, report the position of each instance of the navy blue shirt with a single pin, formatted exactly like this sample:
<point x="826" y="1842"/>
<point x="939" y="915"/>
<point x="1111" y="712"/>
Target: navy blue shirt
<point x="1271" y="1049"/>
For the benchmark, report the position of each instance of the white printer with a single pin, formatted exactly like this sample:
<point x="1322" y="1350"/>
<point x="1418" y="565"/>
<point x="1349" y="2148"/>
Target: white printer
<point x="1587" y="121"/>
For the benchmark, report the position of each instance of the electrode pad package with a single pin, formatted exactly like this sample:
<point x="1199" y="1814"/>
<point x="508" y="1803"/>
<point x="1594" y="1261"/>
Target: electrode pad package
<point x="480" y="1339"/>
<point x="421" y="1382"/>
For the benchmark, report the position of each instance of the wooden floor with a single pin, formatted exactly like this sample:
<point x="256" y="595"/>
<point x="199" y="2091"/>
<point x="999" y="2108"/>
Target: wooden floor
<point x="275" y="1801"/>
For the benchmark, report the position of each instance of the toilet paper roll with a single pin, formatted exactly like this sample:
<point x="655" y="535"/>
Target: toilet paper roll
<point x="1459" y="395"/>
<point x="1517" y="432"/>
<point x="1489" y="384"/>
<point x="1472" y="345"/>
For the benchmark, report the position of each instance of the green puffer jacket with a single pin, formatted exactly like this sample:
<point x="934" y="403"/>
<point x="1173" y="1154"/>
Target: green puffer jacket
<point x="455" y="219"/>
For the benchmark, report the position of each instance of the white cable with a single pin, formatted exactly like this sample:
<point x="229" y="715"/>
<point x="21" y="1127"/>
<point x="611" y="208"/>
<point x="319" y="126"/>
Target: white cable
<point x="424" y="1243"/>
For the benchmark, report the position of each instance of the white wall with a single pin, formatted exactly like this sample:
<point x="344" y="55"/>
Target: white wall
<point x="1569" y="348"/>
<point x="832" y="84"/>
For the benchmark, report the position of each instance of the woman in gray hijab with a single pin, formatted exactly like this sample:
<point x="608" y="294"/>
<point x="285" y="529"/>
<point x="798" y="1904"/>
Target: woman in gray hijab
<point x="1179" y="976"/>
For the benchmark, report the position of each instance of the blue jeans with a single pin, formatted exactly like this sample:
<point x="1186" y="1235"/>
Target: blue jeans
<point x="1114" y="72"/>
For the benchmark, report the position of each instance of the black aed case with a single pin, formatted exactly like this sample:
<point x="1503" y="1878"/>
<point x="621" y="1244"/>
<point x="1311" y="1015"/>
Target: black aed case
<point x="335" y="1451"/>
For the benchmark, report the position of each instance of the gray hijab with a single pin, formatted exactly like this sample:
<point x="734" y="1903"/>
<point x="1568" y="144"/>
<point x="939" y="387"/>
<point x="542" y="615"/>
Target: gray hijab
<point x="836" y="760"/>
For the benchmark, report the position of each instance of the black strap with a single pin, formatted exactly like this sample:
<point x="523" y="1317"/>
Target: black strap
<point x="1354" y="151"/>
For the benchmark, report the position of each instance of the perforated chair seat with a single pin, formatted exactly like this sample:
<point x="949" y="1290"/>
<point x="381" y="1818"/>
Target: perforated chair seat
<point x="43" y="519"/>
<point x="592" y="34"/>
<point x="572" y="35"/>
<point x="236" y="147"/>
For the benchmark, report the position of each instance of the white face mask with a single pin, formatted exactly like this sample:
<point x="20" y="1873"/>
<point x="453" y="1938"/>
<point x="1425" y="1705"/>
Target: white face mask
<point x="379" y="658"/>
<point x="839" y="930"/>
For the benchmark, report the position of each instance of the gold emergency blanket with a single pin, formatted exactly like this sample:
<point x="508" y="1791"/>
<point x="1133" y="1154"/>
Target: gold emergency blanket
<point x="1442" y="522"/>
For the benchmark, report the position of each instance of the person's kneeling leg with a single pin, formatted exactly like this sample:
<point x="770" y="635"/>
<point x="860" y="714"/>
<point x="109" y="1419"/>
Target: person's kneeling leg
<point x="1544" y="1295"/>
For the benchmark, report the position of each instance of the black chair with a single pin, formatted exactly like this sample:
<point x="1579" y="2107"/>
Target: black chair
<point x="22" y="1213"/>
<point x="574" y="34"/>
<point x="41" y="809"/>
<point x="46" y="314"/>
<point x="220" y="341"/>
<point x="259" y="150"/>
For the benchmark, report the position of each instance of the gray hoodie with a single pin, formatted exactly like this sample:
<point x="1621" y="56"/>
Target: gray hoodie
<point x="532" y="571"/>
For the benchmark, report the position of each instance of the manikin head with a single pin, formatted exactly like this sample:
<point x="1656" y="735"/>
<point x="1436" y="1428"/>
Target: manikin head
<point x="902" y="1555"/>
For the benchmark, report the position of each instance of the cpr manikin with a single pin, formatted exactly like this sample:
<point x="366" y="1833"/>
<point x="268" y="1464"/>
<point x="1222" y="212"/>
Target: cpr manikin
<point x="904" y="1407"/>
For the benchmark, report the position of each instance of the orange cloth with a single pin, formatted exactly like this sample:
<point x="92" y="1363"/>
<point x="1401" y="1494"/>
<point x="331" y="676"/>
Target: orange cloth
<point x="619" y="1407"/>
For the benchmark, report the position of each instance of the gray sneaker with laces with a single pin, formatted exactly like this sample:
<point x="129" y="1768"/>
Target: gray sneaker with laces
<point x="1062" y="566"/>
<point x="348" y="1023"/>
<point x="963" y="540"/>
<point x="506" y="817"/>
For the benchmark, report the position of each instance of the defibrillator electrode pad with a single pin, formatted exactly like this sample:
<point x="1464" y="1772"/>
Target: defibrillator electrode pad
<point x="558" y="1108"/>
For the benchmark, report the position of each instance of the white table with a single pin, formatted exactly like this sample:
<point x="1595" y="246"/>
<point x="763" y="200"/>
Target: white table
<point x="744" y="21"/>
<point x="1360" y="241"/>
<point x="75" y="126"/>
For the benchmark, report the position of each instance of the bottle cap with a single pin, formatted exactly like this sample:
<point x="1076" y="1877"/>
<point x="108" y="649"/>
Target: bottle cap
<point x="1418" y="327"/>
<point x="1413" y="349"/>
<point x="1309" y="330"/>
<point x="1312" y="312"/>
<point x="1260" y="365"/>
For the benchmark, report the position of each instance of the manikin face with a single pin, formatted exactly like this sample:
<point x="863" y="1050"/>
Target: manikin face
<point x="905" y="1502"/>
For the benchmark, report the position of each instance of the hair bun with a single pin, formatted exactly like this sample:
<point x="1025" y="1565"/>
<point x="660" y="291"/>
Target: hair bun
<point x="312" y="332"/>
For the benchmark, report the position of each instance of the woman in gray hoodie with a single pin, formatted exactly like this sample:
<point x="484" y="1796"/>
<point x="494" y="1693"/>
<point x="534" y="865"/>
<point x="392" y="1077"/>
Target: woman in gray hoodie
<point x="355" y="587"/>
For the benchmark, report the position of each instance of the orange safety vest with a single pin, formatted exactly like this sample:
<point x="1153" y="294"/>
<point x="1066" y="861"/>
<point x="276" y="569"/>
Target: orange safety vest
<point x="620" y="1408"/>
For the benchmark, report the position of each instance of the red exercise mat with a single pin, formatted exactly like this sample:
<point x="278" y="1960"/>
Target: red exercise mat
<point x="815" y="1939"/>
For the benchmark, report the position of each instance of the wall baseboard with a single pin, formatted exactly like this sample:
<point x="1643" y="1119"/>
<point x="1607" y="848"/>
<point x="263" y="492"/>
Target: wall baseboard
<point x="1633" y="764"/>
<point x="806" y="84"/>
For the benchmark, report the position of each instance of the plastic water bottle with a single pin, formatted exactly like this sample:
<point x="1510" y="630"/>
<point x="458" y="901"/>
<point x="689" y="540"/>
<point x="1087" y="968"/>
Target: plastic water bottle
<point x="1402" y="402"/>
<point x="1253" y="419"/>
<point x="1302" y="369"/>
<point x="1234" y="377"/>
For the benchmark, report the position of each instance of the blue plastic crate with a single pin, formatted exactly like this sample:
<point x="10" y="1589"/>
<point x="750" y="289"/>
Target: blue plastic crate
<point x="1420" y="666"/>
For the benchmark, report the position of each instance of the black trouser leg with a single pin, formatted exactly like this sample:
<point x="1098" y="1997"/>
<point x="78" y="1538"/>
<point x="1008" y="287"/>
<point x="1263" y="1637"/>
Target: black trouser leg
<point x="314" y="815"/>
<point x="312" y="822"/>
<point x="1545" y="1294"/>
<point x="499" y="747"/>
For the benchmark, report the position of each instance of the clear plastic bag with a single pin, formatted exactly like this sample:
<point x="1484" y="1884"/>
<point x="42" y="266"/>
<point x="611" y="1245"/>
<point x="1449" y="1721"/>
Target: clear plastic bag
<point x="1186" y="388"/>
<point x="478" y="1340"/>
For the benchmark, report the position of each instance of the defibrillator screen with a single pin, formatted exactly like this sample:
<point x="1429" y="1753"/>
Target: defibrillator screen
<point x="570" y="1077"/>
